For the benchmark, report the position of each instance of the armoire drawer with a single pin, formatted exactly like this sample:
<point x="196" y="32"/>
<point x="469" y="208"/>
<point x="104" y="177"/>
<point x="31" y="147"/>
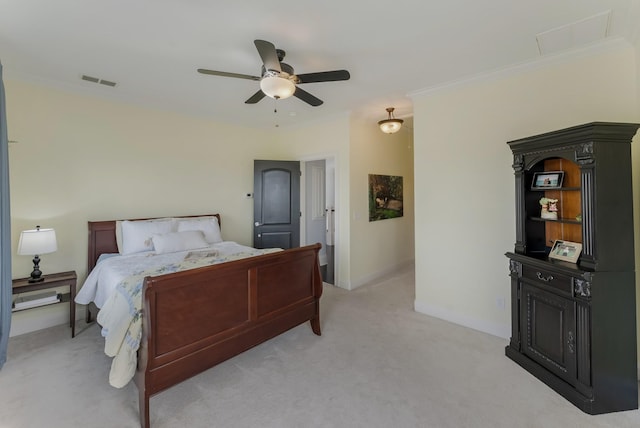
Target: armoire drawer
<point x="558" y="282"/>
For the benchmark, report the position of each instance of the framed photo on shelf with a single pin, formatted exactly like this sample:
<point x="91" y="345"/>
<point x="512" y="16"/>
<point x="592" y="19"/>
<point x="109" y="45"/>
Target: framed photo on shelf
<point x="547" y="180"/>
<point x="565" y="250"/>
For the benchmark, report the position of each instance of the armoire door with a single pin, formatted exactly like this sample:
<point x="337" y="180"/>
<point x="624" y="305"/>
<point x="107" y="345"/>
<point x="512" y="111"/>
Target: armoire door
<point x="549" y="331"/>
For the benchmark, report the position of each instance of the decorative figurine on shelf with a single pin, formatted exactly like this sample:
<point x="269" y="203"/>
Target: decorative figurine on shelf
<point x="549" y="209"/>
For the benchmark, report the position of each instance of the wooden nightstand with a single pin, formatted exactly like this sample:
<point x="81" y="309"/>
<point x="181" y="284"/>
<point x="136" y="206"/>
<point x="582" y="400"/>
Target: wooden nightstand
<point x="53" y="280"/>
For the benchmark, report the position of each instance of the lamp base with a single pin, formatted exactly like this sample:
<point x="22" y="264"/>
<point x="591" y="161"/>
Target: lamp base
<point x="36" y="273"/>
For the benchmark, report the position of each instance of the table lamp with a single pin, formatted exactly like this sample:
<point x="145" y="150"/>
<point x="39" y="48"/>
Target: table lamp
<point x="35" y="242"/>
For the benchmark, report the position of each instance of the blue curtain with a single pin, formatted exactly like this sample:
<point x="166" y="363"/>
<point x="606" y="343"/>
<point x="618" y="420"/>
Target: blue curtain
<point x="5" y="231"/>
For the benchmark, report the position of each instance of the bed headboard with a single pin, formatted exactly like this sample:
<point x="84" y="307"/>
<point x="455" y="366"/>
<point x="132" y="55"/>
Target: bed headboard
<point x="102" y="237"/>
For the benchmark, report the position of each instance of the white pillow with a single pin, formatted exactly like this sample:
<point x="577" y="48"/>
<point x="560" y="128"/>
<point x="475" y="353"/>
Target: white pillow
<point x="208" y="225"/>
<point x="136" y="235"/>
<point x="119" y="235"/>
<point x="178" y="241"/>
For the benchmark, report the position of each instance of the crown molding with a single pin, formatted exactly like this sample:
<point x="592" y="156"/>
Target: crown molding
<point x="613" y="45"/>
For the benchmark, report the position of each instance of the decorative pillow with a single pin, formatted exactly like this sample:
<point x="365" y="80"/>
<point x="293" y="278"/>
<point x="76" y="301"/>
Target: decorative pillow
<point x="119" y="235"/>
<point x="178" y="241"/>
<point x="208" y="225"/>
<point x="136" y="235"/>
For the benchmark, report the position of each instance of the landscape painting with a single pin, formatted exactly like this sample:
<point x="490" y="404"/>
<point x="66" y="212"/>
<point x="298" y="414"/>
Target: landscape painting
<point x="385" y="197"/>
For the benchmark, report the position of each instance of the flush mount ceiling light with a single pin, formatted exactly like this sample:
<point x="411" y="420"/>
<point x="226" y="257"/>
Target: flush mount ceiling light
<point x="277" y="87"/>
<point x="391" y="124"/>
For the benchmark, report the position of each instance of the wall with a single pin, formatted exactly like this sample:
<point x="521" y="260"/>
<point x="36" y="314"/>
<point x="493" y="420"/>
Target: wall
<point x="379" y="247"/>
<point x="80" y="158"/>
<point x="635" y="152"/>
<point x="464" y="181"/>
<point x="359" y="148"/>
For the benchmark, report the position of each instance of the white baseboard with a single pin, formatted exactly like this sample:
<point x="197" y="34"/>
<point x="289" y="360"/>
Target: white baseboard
<point x="381" y="274"/>
<point x="23" y="322"/>
<point x="28" y="321"/>
<point x="495" y="329"/>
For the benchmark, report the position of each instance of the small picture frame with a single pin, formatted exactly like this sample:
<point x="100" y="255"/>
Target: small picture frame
<point x="565" y="250"/>
<point x="547" y="180"/>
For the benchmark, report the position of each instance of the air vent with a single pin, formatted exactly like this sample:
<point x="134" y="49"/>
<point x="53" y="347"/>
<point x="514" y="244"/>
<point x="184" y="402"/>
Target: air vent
<point x="98" y="80"/>
<point x="574" y="35"/>
<point x="90" y="79"/>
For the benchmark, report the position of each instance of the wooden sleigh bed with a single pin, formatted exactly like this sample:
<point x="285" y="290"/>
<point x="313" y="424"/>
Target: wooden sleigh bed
<point x="195" y="319"/>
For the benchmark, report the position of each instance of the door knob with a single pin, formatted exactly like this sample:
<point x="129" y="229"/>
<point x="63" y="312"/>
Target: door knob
<point x="257" y="223"/>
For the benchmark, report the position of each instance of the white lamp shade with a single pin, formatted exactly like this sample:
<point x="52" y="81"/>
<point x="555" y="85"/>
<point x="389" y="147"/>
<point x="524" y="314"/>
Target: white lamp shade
<point x="390" y="126"/>
<point x="37" y="241"/>
<point x="277" y="87"/>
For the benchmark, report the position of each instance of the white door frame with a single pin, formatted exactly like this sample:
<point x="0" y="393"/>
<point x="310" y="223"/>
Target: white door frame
<point x="331" y="161"/>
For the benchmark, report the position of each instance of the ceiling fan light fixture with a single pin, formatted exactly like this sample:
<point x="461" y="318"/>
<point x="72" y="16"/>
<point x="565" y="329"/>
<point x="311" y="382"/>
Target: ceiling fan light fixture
<point x="390" y="125"/>
<point x="277" y="87"/>
<point x="278" y="79"/>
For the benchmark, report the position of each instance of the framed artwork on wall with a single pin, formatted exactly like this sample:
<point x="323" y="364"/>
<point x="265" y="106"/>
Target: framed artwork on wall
<point x="385" y="197"/>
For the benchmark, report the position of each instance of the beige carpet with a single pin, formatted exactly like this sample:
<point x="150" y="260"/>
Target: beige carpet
<point x="377" y="364"/>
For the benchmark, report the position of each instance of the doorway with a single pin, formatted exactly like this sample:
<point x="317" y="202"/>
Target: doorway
<point x="319" y="212"/>
<point x="280" y="190"/>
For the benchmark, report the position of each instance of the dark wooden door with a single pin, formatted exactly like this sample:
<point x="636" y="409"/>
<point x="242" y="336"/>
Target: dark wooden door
<point x="549" y="331"/>
<point x="276" y="204"/>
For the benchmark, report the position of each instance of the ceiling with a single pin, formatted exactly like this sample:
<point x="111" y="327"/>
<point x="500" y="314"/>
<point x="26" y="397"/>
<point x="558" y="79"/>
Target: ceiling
<point x="152" y="48"/>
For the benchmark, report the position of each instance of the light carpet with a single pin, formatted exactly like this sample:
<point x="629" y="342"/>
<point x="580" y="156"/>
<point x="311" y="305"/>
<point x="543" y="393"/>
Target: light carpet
<point x="377" y="364"/>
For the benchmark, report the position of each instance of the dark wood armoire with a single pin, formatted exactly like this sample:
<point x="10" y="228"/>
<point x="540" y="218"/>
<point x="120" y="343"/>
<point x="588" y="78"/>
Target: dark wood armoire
<point x="574" y="322"/>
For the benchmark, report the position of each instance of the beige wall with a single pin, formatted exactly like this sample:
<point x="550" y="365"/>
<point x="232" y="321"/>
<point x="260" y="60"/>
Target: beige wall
<point x="464" y="181"/>
<point x="635" y="153"/>
<point x="379" y="247"/>
<point x="80" y="158"/>
<point x="326" y="139"/>
<point x="364" y="250"/>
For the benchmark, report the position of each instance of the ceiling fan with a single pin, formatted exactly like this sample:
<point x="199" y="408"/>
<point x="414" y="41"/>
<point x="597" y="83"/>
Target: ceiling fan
<point x="278" y="79"/>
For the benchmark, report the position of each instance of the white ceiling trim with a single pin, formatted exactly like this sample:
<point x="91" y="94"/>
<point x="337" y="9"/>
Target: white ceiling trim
<point x="611" y="45"/>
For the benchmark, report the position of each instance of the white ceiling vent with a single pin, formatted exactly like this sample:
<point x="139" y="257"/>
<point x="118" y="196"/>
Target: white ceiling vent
<point x="98" y="80"/>
<point x="574" y="35"/>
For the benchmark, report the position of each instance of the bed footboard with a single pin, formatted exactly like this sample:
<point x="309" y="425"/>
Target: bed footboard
<point x="195" y="319"/>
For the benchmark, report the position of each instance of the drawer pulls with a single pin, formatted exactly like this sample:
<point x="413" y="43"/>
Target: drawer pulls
<point x="543" y="278"/>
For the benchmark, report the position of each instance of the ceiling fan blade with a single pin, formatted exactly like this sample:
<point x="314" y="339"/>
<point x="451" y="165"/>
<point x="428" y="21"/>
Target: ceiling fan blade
<point x="255" y="98"/>
<point x="307" y="97"/>
<point x="225" y="74"/>
<point x="268" y="54"/>
<point x="324" y="76"/>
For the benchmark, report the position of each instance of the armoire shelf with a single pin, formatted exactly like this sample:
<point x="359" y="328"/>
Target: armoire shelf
<point x="560" y="220"/>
